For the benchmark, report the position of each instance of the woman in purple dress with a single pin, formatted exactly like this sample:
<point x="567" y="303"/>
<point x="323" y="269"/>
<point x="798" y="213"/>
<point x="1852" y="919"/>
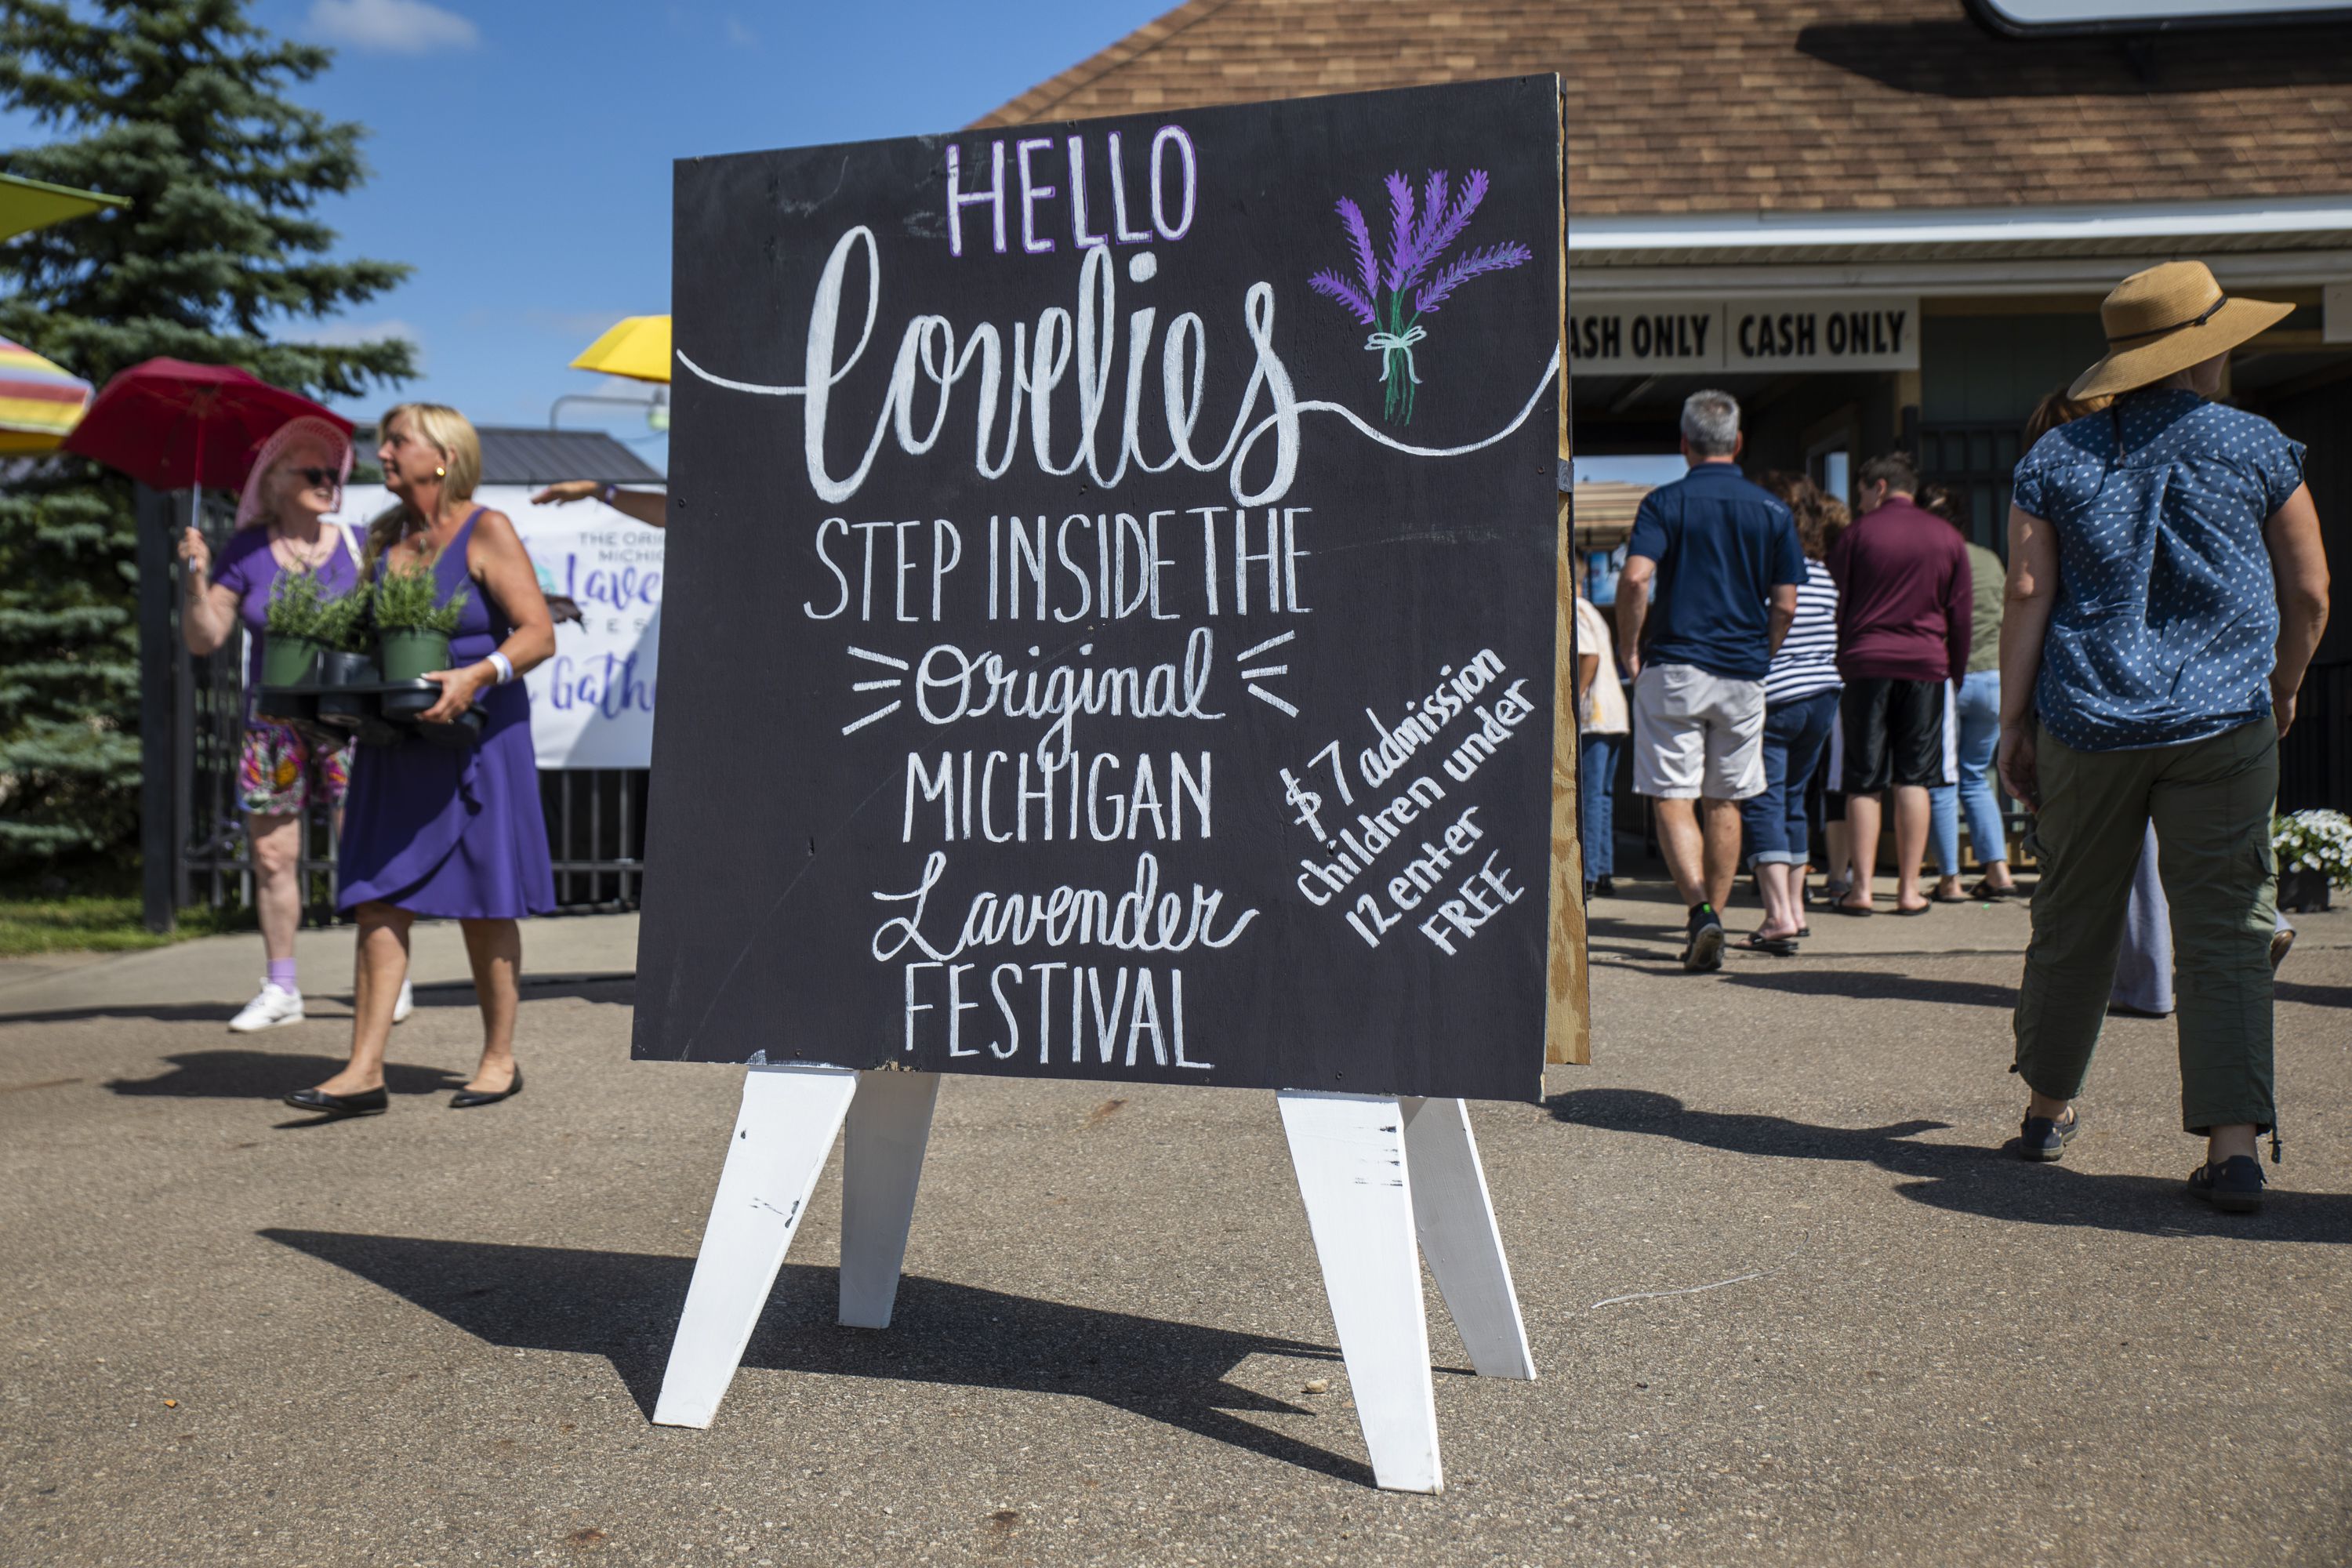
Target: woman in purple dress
<point x="447" y="833"/>
<point x="296" y="479"/>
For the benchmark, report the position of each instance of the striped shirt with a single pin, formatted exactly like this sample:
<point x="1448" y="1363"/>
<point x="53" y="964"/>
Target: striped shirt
<point x="1807" y="662"/>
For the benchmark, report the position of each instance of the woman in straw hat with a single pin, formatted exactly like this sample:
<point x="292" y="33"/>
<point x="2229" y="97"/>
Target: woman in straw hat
<point x="2167" y="588"/>
<point x="296" y="480"/>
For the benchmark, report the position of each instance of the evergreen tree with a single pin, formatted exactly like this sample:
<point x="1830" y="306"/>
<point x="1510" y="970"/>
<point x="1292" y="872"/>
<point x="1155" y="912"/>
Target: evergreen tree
<point x="178" y="105"/>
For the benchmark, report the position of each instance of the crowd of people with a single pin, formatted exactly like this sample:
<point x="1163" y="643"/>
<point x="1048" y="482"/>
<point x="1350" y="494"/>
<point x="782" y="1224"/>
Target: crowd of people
<point x="1803" y="679"/>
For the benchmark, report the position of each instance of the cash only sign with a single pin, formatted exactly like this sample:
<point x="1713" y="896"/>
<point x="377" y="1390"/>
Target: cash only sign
<point x="1112" y="600"/>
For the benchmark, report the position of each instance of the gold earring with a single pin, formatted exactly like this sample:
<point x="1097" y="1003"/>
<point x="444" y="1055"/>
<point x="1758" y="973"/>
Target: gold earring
<point x="439" y="473"/>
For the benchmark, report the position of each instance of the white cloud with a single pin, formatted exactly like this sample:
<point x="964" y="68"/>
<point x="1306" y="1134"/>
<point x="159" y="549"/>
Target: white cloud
<point x="391" y="26"/>
<point x="738" y="35"/>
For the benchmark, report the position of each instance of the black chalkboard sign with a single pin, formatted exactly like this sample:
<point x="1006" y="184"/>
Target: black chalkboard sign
<point x="1109" y="629"/>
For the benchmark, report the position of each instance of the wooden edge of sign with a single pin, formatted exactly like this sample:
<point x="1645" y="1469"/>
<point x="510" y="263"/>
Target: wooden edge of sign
<point x="1568" y="1002"/>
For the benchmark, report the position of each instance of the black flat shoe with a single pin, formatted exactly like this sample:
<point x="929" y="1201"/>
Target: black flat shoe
<point x="2043" y="1139"/>
<point x="466" y="1099"/>
<point x="368" y="1102"/>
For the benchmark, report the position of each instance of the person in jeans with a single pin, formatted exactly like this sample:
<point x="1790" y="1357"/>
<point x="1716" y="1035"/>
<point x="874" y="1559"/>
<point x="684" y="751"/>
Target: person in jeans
<point x="1976" y="724"/>
<point x="1800" y="698"/>
<point x="2167" y="590"/>
<point x="1720" y="559"/>
<point x="1903" y="615"/>
<point x="1603" y="722"/>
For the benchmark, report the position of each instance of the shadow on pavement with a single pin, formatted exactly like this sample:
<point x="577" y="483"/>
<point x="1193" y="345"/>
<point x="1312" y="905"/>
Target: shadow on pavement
<point x="616" y="990"/>
<point x="1877" y="985"/>
<point x="234" y="1074"/>
<point x="623" y="1306"/>
<point x="158" y="1012"/>
<point x="2313" y="995"/>
<point x="1968" y="1179"/>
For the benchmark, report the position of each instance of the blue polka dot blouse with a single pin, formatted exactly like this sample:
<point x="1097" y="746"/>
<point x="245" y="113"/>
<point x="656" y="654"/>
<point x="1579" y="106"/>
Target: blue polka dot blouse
<point x="2166" y="623"/>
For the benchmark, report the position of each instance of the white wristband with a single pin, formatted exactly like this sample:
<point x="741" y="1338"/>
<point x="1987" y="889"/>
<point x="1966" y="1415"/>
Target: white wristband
<point x="504" y="666"/>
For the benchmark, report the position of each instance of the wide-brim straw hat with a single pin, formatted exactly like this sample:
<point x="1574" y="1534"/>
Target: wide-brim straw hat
<point x="302" y="428"/>
<point x="2163" y="321"/>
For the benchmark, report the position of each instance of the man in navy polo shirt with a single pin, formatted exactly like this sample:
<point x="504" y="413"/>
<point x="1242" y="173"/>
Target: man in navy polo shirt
<point x="1723" y="557"/>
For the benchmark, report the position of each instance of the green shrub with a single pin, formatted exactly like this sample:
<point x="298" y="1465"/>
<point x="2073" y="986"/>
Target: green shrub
<point x="343" y="623"/>
<point x="297" y="606"/>
<point x="408" y="599"/>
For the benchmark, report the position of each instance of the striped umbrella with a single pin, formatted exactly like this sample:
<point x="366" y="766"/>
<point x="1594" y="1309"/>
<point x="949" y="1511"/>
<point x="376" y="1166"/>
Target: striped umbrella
<point x="39" y="403"/>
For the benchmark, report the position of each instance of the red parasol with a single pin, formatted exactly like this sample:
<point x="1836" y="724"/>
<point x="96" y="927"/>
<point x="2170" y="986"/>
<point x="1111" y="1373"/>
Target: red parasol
<point x="169" y="424"/>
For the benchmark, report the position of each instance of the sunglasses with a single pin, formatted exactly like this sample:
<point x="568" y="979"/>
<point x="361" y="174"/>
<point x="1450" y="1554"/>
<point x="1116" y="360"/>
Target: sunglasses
<point x="320" y="479"/>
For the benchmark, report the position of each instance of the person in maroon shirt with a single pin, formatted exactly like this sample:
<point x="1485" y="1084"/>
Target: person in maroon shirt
<point x="1904" y="613"/>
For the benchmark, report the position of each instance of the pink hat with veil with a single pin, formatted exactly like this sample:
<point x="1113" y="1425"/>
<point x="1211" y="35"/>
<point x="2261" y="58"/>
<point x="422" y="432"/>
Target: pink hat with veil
<point x="303" y="429"/>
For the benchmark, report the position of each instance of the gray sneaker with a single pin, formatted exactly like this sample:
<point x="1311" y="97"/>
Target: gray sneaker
<point x="1705" y="952"/>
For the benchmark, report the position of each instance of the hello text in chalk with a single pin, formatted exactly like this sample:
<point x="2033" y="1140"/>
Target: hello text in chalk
<point x="1015" y="193"/>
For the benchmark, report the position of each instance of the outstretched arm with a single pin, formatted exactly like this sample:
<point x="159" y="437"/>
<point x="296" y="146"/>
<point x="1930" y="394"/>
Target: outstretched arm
<point x="648" y="507"/>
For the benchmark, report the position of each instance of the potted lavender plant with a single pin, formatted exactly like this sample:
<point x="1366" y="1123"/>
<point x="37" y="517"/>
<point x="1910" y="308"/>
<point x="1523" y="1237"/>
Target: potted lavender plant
<point x="413" y="629"/>
<point x="347" y="671"/>
<point x="292" y="636"/>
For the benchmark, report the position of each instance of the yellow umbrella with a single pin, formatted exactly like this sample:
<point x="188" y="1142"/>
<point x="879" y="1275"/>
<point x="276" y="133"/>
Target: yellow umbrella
<point x="27" y="204"/>
<point x="39" y="402"/>
<point x="637" y="348"/>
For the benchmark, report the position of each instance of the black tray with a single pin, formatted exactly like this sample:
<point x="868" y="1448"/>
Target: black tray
<point x="375" y="713"/>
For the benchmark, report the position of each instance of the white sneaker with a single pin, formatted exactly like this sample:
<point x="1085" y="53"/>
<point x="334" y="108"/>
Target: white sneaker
<point x="407" y="1005"/>
<point x="275" y="1005"/>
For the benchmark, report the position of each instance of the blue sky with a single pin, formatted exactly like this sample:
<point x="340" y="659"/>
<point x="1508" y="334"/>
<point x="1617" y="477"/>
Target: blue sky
<point x="522" y="148"/>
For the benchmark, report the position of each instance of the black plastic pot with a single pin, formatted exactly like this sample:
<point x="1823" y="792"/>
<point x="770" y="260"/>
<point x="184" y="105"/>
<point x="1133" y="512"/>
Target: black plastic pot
<point x="402" y="702"/>
<point x="348" y="683"/>
<point x="464" y="731"/>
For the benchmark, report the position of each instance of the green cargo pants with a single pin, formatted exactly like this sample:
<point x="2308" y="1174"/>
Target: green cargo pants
<point x="2211" y="801"/>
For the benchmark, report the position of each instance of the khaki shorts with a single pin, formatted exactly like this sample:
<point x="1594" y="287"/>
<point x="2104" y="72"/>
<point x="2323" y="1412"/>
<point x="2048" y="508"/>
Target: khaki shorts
<point x="1696" y="733"/>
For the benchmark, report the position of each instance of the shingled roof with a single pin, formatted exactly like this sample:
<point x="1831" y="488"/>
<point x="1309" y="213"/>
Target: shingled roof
<point x="1749" y="106"/>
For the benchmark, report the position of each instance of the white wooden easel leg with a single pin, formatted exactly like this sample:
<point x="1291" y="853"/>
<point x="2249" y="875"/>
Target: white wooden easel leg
<point x="782" y="1135"/>
<point x="1350" y="1153"/>
<point x="882" y="1159"/>
<point x="1455" y="1219"/>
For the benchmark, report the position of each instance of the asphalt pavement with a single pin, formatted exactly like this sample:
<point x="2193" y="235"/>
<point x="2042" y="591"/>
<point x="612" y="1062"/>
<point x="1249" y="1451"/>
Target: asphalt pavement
<point x="1791" y="1301"/>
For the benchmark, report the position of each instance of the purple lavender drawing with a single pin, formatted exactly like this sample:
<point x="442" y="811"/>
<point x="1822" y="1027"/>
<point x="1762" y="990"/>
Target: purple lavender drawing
<point x="1416" y="244"/>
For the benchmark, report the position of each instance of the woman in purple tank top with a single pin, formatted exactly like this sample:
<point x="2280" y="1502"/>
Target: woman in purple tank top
<point x="447" y="833"/>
